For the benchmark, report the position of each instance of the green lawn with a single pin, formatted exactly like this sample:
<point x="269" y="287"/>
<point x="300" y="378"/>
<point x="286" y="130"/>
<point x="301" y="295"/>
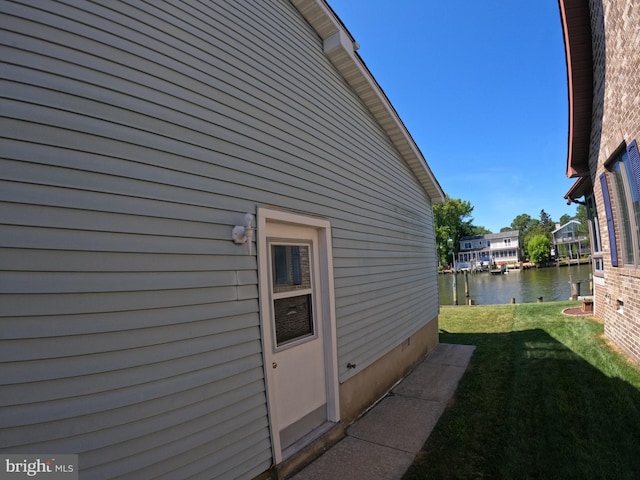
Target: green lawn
<point x="544" y="397"/>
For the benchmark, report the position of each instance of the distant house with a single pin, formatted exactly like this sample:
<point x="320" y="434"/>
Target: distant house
<point x="480" y="251"/>
<point x="603" y="65"/>
<point x="568" y="241"/>
<point x="473" y="253"/>
<point x="217" y="235"/>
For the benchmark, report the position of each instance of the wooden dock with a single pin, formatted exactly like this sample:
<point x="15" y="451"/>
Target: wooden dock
<point x="500" y="270"/>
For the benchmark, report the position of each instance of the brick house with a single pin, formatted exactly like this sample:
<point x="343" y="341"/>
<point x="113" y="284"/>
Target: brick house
<point x="602" y="44"/>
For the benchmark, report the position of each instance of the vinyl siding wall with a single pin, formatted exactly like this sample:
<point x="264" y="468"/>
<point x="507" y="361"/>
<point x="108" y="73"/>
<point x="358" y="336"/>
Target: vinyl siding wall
<point x="133" y="137"/>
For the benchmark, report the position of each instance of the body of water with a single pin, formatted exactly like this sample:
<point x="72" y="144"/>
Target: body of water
<point x="552" y="284"/>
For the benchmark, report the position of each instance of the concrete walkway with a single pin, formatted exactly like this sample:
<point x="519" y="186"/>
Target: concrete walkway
<point x="383" y="443"/>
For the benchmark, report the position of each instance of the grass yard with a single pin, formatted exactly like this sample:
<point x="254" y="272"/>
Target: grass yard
<point x="544" y="397"/>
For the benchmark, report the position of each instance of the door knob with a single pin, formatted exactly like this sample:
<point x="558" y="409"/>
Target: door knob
<point x="274" y="365"/>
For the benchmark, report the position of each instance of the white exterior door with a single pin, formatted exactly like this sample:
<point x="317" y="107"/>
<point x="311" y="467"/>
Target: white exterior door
<point x="297" y="331"/>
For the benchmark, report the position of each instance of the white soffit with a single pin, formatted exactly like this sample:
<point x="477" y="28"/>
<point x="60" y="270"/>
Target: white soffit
<point x="339" y="47"/>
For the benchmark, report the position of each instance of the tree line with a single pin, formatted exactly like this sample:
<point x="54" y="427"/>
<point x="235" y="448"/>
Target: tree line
<point x="453" y="221"/>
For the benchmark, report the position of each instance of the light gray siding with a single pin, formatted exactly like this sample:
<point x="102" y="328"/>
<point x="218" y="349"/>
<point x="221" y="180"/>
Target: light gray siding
<point x="133" y="136"/>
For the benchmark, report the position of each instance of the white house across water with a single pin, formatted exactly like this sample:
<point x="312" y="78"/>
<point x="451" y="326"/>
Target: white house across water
<point x="492" y="249"/>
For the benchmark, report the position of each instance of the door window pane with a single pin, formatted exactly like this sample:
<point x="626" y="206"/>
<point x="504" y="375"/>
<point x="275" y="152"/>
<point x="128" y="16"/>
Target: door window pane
<point x="293" y="318"/>
<point x="291" y="269"/>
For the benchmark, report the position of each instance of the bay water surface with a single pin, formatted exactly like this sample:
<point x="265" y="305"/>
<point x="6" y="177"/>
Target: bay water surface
<point x="551" y="283"/>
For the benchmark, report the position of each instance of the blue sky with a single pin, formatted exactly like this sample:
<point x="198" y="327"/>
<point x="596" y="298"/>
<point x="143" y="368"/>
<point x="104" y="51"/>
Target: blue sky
<point x="481" y="86"/>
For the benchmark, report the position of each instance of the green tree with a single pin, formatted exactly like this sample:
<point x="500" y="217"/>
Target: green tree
<point x="452" y="222"/>
<point x="531" y="227"/>
<point x="583" y="230"/>
<point x="480" y="230"/>
<point x="546" y="222"/>
<point x="581" y="216"/>
<point x="539" y="248"/>
<point x="522" y="222"/>
<point x="534" y="226"/>
<point x="565" y="219"/>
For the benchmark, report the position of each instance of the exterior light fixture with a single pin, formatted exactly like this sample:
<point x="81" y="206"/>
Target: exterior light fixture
<point x="244" y="233"/>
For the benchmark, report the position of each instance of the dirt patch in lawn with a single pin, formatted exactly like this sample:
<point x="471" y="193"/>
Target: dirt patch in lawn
<point x="576" y="312"/>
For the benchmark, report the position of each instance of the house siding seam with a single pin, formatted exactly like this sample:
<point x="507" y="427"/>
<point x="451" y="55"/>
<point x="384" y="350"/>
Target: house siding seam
<point x="133" y="137"/>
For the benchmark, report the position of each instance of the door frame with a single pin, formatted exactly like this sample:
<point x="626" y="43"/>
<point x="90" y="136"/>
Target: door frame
<point x="327" y="299"/>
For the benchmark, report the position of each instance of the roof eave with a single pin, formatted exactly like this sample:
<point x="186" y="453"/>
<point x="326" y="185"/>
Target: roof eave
<point x="339" y="48"/>
<point x="576" y="26"/>
<point x="582" y="187"/>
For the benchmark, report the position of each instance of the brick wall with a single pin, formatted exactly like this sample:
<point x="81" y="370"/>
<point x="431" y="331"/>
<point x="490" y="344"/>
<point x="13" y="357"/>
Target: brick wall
<point x="616" y="119"/>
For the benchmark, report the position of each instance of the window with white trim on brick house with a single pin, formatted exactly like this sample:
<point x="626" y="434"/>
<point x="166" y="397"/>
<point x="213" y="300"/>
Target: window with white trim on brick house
<point x="623" y="199"/>
<point x="594" y="229"/>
